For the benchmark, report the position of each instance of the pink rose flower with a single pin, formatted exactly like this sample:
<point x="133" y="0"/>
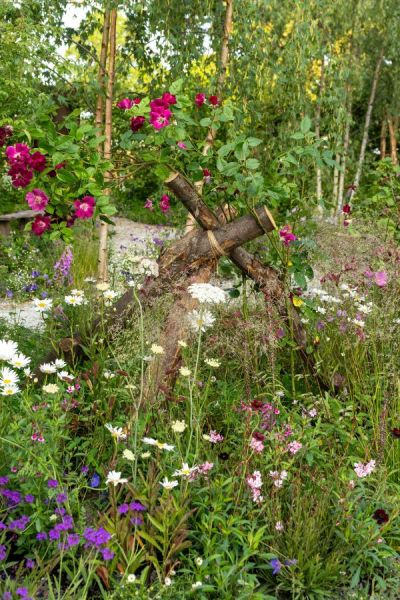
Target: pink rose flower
<point x="84" y="208"/>
<point x="37" y="199"/>
<point x="37" y="161"/>
<point x="200" y="99"/>
<point x="164" y="204"/>
<point x="125" y="104"/>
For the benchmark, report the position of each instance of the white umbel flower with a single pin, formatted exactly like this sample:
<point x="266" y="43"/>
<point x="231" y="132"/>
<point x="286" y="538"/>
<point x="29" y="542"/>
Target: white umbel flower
<point x="212" y="362"/>
<point x="8" y="349"/>
<point x="19" y="361"/>
<point x="178" y="426"/>
<point x="116" y="432"/>
<point x="8" y="377"/>
<point x="201" y="320"/>
<point x="51" y="388"/>
<point x="42" y="304"/>
<point x="128" y="454"/>
<point x="115" y="478"/>
<point x="206" y="293"/>
<point x="185" y="372"/>
<point x="156" y="349"/>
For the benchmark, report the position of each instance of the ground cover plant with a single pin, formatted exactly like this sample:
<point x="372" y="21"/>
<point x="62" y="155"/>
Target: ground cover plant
<point x="207" y="407"/>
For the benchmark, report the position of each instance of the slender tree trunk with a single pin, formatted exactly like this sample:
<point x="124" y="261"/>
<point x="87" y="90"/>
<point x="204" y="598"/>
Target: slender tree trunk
<point x="364" y="141"/>
<point x="99" y="118"/>
<point x="383" y="138"/>
<point x="223" y="66"/>
<point x="102" y="266"/>
<point x="336" y="180"/>
<point x="318" y="131"/>
<point x="346" y="144"/>
<point x="393" y="124"/>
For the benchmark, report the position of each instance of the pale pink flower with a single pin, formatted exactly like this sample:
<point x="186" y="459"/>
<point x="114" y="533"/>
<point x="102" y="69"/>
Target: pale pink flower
<point x="294" y="447"/>
<point x="363" y="470"/>
<point x="254" y="482"/>
<point x="215" y="437"/>
<point x="381" y="278"/>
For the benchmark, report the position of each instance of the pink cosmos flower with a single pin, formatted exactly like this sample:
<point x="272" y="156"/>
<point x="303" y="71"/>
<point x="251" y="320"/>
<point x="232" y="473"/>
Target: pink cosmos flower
<point x="181" y="145"/>
<point x="363" y="470"/>
<point x="381" y="278"/>
<point x="125" y="103"/>
<point x="294" y="447"/>
<point x="149" y="204"/>
<point x="164" y="204"/>
<point x="137" y="123"/>
<point x="40" y="225"/>
<point x="84" y="208"/>
<point x="37" y="199"/>
<point x="200" y="99"/>
<point x="37" y="161"/>
<point x="214" y="100"/>
<point x="286" y="235"/>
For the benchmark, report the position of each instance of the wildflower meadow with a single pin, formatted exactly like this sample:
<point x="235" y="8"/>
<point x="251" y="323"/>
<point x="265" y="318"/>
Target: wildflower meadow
<point x="199" y="316"/>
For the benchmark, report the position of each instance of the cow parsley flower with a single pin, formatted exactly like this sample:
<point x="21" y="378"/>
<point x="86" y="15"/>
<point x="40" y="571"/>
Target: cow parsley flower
<point x="128" y="454"/>
<point x="156" y="349"/>
<point x="50" y="388"/>
<point x="185" y="372"/>
<point x="206" y="293"/>
<point x="212" y="362"/>
<point x="178" y="426"/>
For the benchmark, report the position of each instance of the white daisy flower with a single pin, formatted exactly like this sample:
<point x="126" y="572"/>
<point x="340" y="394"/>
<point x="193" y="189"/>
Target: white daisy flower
<point x="42" y="304"/>
<point x="115" y="478"/>
<point x="160" y="445"/>
<point x="109" y="295"/>
<point x="185" y="471"/>
<point x="169" y="485"/>
<point x="200" y="320"/>
<point x="116" y="432"/>
<point x="19" y="361"/>
<point x="9" y="390"/>
<point x="74" y="300"/>
<point x="64" y="375"/>
<point x="8" y="377"/>
<point x="79" y="293"/>
<point x="48" y="368"/>
<point x="60" y="363"/>
<point x="8" y="349"/>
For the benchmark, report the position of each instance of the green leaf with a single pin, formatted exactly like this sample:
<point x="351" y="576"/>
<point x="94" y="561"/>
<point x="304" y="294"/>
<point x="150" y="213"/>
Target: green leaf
<point x="206" y="122"/>
<point x="253" y="142"/>
<point x="305" y="125"/>
<point x="252" y="163"/>
<point x="162" y="171"/>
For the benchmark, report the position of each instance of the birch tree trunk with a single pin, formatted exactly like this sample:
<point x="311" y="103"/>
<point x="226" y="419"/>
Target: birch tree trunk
<point x="335" y="190"/>
<point x="383" y="138"/>
<point x="364" y="141"/>
<point x="342" y="174"/>
<point x="99" y="118"/>
<point x="102" y="265"/>
<point x="318" y="132"/>
<point x="223" y="66"/>
<point x="392" y="124"/>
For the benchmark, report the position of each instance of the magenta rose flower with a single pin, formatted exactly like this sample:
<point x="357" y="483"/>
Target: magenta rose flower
<point x="125" y="104"/>
<point x="18" y="154"/>
<point x="20" y="176"/>
<point x="164" y="204"/>
<point x="37" y="199"/>
<point x="37" y="161"/>
<point x="137" y="123"/>
<point x="84" y="208"/>
<point x="200" y="99"/>
<point x="214" y="100"/>
<point x="168" y="98"/>
<point x="40" y="225"/>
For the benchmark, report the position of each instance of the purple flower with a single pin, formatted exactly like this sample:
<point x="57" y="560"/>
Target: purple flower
<point x="107" y="554"/>
<point x="9" y="294"/>
<point x="94" y="480"/>
<point x="22" y="591"/>
<point x="7" y="596"/>
<point x="136" y="521"/>
<point x="61" y="498"/>
<point x="96" y="537"/>
<point x="29" y="498"/>
<point x="63" y="266"/>
<point x="3" y="551"/>
<point x="381" y="278"/>
<point x="52" y="483"/>
<point x="137" y="506"/>
<point x="73" y="539"/>
<point x="19" y="524"/>
<point x="84" y="469"/>
<point x="41" y="536"/>
<point x="4" y="480"/>
<point x="13" y="497"/>
<point x="29" y="563"/>
<point x="275" y="565"/>
<point x="54" y="534"/>
<point x="3" y="526"/>
<point x="123" y="509"/>
<point x="290" y="562"/>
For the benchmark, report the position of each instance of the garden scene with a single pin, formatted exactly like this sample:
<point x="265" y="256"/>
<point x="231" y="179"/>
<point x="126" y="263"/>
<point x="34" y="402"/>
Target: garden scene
<point x="199" y="316"/>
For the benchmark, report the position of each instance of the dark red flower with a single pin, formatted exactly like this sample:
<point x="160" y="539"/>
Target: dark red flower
<point x="346" y="209"/>
<point x="53" y="172"/>
<point x="168" y="98"/>
<point x="40" y="225"/>
<point x="20" y="176"/>
<point x="257" y="404"/>
<point x="380" y="516"/>
<point x="258" y="436"/>
<point x="137" y="123"/>
<point x="5" y="132"/>
<point x="396" y="432"/>
<point x="200" y="99"/>
<point x="214" y="100"/>
<point x="37" y="161"/>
